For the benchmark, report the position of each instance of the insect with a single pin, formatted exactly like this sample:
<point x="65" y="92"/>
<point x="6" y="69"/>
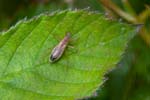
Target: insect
<point x="59" y="49"/>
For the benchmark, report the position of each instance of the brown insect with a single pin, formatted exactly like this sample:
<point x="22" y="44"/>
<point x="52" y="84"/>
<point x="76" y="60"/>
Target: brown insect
<point x="59" y="49"/>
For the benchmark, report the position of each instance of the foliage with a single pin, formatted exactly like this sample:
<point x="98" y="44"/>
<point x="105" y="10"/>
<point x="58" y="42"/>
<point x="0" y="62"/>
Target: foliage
<point x="130" y="79"/>
<point x="25" y="74"/>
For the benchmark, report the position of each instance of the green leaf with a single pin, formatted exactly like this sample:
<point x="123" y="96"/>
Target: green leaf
<point x="141" y="92"/>
<point x="27" y="74"/>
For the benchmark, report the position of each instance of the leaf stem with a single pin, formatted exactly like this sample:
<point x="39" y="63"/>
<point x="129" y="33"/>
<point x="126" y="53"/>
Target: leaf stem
<point x="130" y="18"/>
<point x="118" y="11"/>
<point x="128" y="7"/>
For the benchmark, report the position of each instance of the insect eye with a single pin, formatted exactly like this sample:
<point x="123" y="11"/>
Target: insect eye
<point x="52" y="58"/>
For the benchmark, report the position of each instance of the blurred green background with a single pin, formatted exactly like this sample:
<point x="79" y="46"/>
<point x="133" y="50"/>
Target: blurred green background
<point x="130" y="80"/>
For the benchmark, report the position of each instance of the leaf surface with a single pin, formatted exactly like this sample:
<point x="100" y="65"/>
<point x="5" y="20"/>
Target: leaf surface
<point x="27" y="74"/>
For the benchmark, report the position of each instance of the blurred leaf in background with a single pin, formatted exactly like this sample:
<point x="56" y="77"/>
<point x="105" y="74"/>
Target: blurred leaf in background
<point x="13" y="11"/>
<point x="20" y="9"/>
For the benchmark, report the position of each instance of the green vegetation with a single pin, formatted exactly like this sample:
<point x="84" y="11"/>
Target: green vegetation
<point x="105" y="35"/>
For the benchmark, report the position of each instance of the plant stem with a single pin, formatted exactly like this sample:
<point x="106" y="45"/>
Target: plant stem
<point x="128" y="7"/>
<point x="132" y="19"/>
<point x="118" y="11"/>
